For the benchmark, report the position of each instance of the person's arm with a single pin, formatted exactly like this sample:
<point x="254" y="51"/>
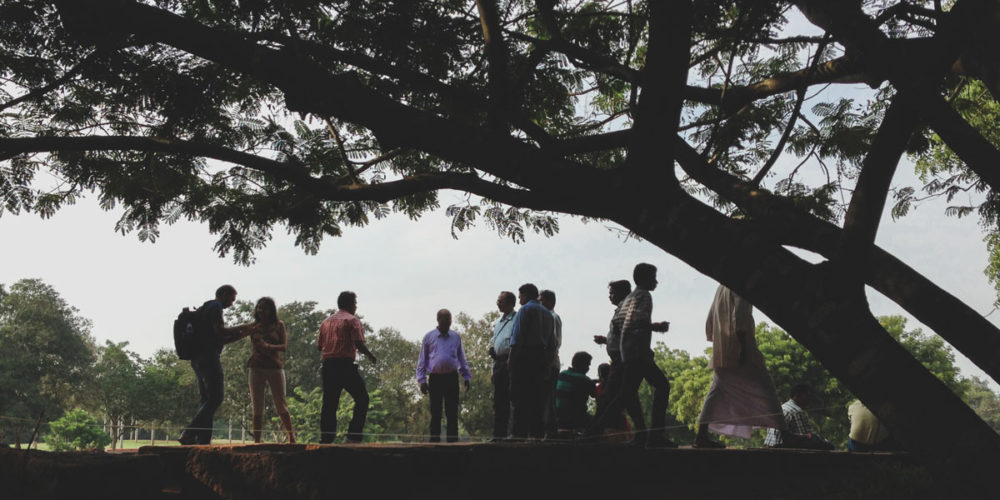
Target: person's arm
<point x="282" y="344"/>
<point x="363" y="349"/>
<point x="463" y="364"/>
<point x="600" y="339"/>
<point x="232" y="334"/>
<point x="422" y="366"/>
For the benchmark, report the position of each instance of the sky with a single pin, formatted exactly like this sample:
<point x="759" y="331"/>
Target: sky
<point x="405" y="271"/>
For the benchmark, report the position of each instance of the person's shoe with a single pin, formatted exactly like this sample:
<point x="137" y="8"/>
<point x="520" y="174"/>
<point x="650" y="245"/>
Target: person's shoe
<point x="707" y="443"/>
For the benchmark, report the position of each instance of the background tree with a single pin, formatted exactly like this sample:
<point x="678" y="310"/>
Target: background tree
<point x="117" y="389"/>
<point x="169" y="394"/>
<point x="513" y="101"/>
<point x="476" y="405"/>
<point x="46" y="356"/>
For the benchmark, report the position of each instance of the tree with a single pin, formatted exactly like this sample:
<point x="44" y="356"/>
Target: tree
<point x="116" y="389"/>
<point x="47" y="353"/>
<point x="476" y="404"/>
<point x="169" y="392"/>
<point x="394" y="377"/>
<point x="535" y="108"/>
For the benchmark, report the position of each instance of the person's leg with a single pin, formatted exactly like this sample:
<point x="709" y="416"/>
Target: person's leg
<point x="519" y="390"/>
<point x="276" y="379"/>
<point x="661" y="395"/>
<point x="501" y="402"/>
<point x="257" y="382"/>
<point x="549" y="402"/>
<point x="332" y="387"/>
<point x="625" y="396"/>
<point x="436" y="387"/>
<point x="451" y="405"/>
<point x="191" y="433"/>
<point x="356" y="388"/>
<point x="211" y="369"/>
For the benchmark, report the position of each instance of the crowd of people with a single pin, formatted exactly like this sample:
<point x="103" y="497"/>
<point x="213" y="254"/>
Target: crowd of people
<point x="532" y="398"/>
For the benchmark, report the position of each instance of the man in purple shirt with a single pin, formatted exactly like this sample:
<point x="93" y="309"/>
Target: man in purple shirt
<point x="442" y="359"/>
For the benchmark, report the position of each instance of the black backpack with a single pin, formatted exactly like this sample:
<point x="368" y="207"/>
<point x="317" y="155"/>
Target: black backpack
<point x="186" y="334"/>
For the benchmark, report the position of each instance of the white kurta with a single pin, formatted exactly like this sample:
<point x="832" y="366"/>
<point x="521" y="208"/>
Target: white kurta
<point x="742" y="395"/>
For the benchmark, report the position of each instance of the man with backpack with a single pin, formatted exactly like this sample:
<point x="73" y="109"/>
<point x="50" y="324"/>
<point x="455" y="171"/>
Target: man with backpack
<point x="210" y="334"/>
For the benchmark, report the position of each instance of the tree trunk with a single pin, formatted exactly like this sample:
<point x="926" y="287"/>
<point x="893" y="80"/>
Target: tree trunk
<point x="824" y="314"/>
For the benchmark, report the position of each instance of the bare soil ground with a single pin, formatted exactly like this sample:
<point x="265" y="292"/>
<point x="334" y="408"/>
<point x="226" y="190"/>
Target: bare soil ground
<point x="509" y="471"/>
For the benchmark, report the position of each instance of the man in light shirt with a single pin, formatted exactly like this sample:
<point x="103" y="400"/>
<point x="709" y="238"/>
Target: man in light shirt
<point x="548" y="300"/>
<point x="341" y="337"/>
<point x="441" y="361"/>
<point x="499" y="351"/>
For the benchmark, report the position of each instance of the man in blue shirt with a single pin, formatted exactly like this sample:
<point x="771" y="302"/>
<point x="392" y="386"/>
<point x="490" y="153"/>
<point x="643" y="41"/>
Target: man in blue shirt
<point x="532" y="348"/>
<point x="499" y="351"/>
<point x="441" y="361"/>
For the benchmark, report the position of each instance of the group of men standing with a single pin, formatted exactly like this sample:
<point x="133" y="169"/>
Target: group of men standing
<point x="525" y="363"/>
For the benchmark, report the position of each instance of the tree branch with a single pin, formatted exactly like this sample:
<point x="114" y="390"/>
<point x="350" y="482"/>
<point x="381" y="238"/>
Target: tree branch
<point x="977" y="339"/>
<point x="496" y="57"/>
<point x="310" y="88"/>
<point x="325" y="188"/>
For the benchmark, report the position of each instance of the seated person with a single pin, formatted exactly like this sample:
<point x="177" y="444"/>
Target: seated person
<point x="573" y="387"/>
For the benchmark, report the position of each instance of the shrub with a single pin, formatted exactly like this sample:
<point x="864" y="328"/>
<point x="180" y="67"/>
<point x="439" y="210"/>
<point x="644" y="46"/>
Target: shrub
<point x="76" y="430"/>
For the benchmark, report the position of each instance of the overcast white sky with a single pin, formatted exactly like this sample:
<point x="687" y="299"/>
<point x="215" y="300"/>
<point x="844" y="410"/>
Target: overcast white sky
<point x="404" y="271"/>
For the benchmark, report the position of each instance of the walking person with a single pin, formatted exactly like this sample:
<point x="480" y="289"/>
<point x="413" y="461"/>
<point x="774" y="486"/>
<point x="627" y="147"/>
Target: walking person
<point x="341" y="337"/>
<point x="441" y="361"/>
<point x="617" y="292"/>
<point x="212" y="335"/>
<point x="268" y="339"/>
<point x="635" y="315"/>
<point x="499" y="352"/>
<point x="742" y="395"/>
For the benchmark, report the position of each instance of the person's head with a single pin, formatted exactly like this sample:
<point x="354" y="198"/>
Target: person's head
<point x="265" y="311"/>
<point x="603" y="370"/>
<point x="444" y="320"/>
<point x="644" y="276"/>
<point x="506" y="301"/>
<point x="226" y="295"/>
<point x="581" y="362"/>
<point x="801" y="394"/>
<point x="347" y="301"/>
<point x="618" y="290"/>
<point x="548" y="299"/>
<point x="526" y="293"/>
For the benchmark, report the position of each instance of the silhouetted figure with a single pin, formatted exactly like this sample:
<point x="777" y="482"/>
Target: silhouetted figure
<point x="742" y="395"/>
<point x="341" y="337"/>
<point x="636" y="335"/>
<point x="532" y="347"/>
<point x="499" y="351"/>
<point x="573" y="389"/>
<point x="268" y="339"/>
<point x="617" y="291"/>
<point x="441" y="361"/>
<point x="212" y="334"/>
<point x="617" y="422"/>
<point x="548" y="300"/>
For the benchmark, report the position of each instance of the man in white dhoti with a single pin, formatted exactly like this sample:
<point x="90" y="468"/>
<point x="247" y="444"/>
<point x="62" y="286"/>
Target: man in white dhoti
<point x="742" y="395"/>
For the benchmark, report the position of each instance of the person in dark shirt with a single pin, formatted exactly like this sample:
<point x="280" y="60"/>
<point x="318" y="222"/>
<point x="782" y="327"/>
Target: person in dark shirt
<point x="212" y="335"/>
<point x="532" y="348"/>
<point x="573" y="389"/>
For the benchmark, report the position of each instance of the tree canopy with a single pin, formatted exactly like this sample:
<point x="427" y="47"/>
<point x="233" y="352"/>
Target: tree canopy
<point x="317" y="114"/>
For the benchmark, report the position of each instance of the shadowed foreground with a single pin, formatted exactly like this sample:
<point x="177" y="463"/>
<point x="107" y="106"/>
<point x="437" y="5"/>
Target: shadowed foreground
<point x="475" y="470"/>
